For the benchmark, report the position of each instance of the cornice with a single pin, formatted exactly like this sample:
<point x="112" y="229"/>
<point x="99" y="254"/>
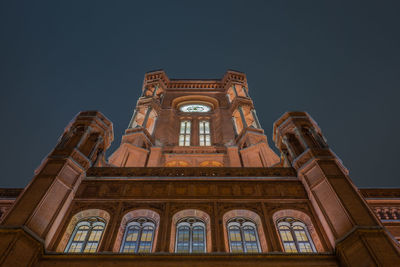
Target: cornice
<point x="10" y="193"/>
<point x="380" y="192"/>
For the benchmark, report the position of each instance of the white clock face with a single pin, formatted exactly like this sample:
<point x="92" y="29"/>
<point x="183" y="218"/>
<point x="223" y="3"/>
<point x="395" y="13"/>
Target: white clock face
<point x="195" y="108"/>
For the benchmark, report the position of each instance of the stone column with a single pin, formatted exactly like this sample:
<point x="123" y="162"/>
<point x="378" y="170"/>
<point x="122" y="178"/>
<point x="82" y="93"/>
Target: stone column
<point x="300" y="136"/>
<point x="132" y="119"/>
<point x="242" y="117"/>
<point x="253" y="112"/>
<point x="146" y="117"/>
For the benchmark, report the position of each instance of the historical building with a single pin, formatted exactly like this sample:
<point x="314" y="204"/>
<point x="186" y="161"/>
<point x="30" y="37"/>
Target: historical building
<point x="195" y="183"/>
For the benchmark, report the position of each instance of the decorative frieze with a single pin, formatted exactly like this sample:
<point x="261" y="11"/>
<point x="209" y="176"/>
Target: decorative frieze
<point x="388" y="213"/>
<point x="190" y="172"/>
<point x="190" y="189"/>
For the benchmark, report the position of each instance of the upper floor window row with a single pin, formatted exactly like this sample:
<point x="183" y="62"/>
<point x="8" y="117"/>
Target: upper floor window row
<point x="191" y="235"/>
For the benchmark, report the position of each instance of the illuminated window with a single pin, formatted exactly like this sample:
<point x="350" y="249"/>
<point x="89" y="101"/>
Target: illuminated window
<point x="190" y="236"/>
<point x="139" y="235"/>
<point x="242" y="234"/>
<point x="204" y="133"/>
<point x="86" y="236"/>
<point x="176" y="163"/>
<point x="184" y="134"/>
<point x="195" y="108"/>
<point x="295" y="236"/>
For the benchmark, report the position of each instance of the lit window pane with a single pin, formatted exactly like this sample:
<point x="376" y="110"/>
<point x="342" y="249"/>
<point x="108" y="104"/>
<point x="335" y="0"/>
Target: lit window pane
<point x="207" y="127"/>
<point x="204" y="133"/>
<point x="86" y="237"/>
<point x="183" y="239"/>
<point x="184" y="137"/>
<point x="188" y="127"/>
<point x="190" y="236"/>
<point x="208" y="141"/>
<point x="295" y="236"/>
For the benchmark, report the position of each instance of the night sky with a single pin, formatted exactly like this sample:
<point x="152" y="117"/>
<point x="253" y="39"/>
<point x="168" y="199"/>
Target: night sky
<point x="337" y="60"/>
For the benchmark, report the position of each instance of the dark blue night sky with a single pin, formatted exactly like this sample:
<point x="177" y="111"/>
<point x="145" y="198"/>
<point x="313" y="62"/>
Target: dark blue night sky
<point x="337" y="60"/>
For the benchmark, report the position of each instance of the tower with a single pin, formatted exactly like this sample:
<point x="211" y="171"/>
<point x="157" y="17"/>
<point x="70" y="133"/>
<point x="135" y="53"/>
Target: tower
<point x="192" y="123"/>
<point x="195" y="183"/>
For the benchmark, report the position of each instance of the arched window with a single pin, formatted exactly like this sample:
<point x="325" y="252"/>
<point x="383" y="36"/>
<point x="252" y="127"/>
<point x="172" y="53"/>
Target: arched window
<point x="190" y="236"/>
<point x="139" y="236"/>
<point x="242" y="234"/>
<point x="295" y="236"/>
<point x="86" y="236"/>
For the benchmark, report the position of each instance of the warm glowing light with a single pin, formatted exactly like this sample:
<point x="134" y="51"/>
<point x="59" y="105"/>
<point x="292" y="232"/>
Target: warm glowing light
<point x="195" y="108"/>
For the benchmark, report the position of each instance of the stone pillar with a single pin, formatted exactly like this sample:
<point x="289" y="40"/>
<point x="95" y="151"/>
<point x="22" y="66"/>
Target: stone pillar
<point x="146" y="117"/>
<point x="300" y="136"/>
<point x="132" y="119"/>
<point x="155" y="90"/>
<point x="233" y="156"/>
<point x="358" y="237"/>
<point x="242" y="117"/>
<point x="234" y="126"/>
<point x="289" y="147"/>
<point x="253" y="112"/>
<point x="39" y="210"/>
<point x="234" y="90"/>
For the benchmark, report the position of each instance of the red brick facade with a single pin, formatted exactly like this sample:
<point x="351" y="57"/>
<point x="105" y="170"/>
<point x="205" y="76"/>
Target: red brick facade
<point x="194" y="150"/>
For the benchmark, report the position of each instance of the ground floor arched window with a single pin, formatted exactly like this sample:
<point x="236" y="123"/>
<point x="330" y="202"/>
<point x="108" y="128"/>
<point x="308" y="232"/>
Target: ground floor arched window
<point x="139" y="236"/>
<point x="190" y="236"/>
<point x="295" y="236"/>
<point x="243" y="237"/>
<point x="86" y="235"/>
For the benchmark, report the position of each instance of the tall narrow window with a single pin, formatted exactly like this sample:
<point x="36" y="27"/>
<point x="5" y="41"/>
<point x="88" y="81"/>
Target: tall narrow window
<point x="184" y="134"/>
<point x="139" y="236"/>
<point x="86" y="236"/>
<point x="294" y="235"/>
<point x="190" y="236"/>
<point x="204" y="133"/>
<point x="242" y="234"/>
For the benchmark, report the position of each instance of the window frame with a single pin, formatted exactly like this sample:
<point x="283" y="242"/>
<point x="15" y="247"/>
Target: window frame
<point x="186" y="133"/>
<point x="141" y="222"/>
<point x="241" y="223"/>
<point x="290" y="223"/>
<point x="185" y="222"/>
<point x="91" y="222"/>
<point x="205" y="135"/>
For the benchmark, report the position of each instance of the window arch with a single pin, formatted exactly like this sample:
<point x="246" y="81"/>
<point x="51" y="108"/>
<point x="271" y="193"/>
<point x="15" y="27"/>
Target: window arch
<point x="190" y="222"/>
<point x="141" y="222"/>
<point x="303" y="220"/>
<point x="294" y="236"/>
<point x="243" y="237"/>
<point x="176" y="163"/>
<point x="242" y="226"/>
<point x="86" y="236"/>
<point x="190" y="236"/>
<point x="139" y="236"/>
<point x="72" y="226"/>
<point x="211" y="163"/>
